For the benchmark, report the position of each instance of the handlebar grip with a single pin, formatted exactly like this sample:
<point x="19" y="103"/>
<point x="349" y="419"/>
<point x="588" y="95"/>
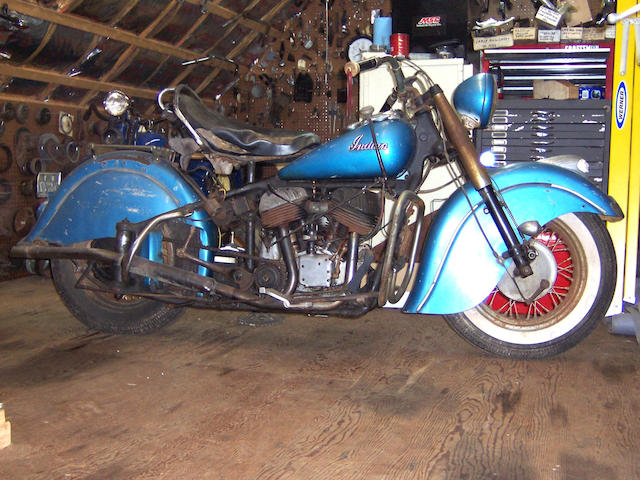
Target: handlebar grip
<point x="356" y="67"/>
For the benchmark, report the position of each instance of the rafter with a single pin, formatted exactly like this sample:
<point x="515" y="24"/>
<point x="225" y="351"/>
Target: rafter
<point x="96" y="40"/>
<point x="86" y="25"/>
<point x="8" y="97"/>
<point x="40" y="75"/>
<point x="262" y="26"/>
<point x="242" y="45"/>
<point x="189" y="69"/>
<point x="169" y="12"/>
<point x="51" y="29"/>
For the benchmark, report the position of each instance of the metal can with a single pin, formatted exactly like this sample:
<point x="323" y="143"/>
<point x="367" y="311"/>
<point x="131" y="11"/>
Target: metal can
<point x="400" y="44"/>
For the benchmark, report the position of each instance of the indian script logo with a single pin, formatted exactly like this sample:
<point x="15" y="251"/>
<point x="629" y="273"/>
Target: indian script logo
<point x="356" y="146"/>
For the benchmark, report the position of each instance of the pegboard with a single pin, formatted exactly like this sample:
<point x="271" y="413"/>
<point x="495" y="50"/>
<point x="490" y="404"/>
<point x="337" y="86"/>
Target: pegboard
<point x="22" y="137"/>
<point x="278" y="66"/>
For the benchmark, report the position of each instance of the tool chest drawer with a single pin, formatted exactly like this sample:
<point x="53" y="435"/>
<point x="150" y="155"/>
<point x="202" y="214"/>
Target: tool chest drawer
<point x="531" y="130"/>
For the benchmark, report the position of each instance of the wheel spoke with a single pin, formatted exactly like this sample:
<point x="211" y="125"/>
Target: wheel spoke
<point x="522" y="314"/>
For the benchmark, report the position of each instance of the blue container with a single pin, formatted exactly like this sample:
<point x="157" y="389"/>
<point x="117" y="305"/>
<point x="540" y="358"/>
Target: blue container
<point x="382" y="32"/>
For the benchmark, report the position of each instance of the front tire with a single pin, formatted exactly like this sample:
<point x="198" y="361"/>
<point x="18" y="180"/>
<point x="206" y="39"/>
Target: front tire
<point x="567" y="313"/>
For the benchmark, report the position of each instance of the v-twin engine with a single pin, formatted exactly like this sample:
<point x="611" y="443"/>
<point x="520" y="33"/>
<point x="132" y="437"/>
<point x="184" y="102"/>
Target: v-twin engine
<point x="321" y="230"/>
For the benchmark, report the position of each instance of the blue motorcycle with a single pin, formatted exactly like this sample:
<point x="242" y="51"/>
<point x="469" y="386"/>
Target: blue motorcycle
<point x="398" y="212"/>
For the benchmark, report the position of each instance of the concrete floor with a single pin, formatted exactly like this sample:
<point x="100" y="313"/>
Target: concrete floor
<point x="384" y="396"/>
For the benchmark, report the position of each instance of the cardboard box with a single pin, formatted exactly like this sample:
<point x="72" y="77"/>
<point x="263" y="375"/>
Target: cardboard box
<point x="579" y="14"/>
<point x="554" y="89"/>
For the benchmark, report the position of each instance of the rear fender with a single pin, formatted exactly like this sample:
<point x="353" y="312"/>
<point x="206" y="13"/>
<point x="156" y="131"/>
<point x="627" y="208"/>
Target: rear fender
<point x="458" y="269"/>
<point x="103" y="191"/>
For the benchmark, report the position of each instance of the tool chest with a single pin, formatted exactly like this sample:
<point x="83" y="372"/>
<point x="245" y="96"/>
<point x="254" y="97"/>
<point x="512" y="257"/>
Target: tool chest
<point x="531" y="130"/>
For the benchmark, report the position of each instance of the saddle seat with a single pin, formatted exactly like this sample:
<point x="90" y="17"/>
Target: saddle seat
<point x="226" y="135"/>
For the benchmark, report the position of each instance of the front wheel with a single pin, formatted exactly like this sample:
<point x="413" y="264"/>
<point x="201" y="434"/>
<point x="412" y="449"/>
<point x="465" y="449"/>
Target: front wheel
<point x="581" y="251"/>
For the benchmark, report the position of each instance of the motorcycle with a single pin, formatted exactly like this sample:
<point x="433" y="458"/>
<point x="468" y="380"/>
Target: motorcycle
<point x="397" y="212"/>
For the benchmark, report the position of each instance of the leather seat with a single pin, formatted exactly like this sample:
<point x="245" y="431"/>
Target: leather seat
<point x="249" y="139"/>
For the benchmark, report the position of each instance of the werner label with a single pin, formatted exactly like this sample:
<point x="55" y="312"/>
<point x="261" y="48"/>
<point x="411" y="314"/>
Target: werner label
<point x="621" y="105"/>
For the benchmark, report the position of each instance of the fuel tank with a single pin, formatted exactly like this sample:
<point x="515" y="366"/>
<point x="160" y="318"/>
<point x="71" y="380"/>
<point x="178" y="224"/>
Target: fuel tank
<point x="353" y="154"/>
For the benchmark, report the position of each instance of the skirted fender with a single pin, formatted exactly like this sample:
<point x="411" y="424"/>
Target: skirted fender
<point x="458" y="269"/>
<point x="101" y="192"/>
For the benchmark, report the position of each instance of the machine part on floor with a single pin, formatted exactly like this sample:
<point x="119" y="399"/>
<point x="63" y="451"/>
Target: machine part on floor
<point x="259" y="319"/>
<point x="22" y="113"/>
<point x="626" y="323"/>
<point x="23" y="221"/>
<point x="43" y="116"/>
<point x="6" y="158"/>
<point x="5" y="190"/>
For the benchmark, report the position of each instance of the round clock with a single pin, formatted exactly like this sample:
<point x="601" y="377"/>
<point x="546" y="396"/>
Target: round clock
<point x="357" y="46"/>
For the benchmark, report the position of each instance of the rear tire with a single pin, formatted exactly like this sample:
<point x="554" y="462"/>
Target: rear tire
<point x="567" y="313"/>
<point x="106" y="312"/>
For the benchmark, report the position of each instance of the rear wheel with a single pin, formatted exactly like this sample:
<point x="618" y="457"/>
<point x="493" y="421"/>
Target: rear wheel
<point x="579" y="249"/>
<point x="78" y="284"/>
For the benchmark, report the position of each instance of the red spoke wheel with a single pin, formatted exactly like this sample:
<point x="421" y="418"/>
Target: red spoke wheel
<point x="580" y="269"/>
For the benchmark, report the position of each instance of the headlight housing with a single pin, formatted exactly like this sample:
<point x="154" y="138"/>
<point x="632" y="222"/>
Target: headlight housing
<point x="116" y="103"/>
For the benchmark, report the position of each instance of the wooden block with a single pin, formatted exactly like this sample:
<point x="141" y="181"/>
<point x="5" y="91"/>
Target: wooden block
<point x="5" y="434"/>
<point x="554" y="89"/>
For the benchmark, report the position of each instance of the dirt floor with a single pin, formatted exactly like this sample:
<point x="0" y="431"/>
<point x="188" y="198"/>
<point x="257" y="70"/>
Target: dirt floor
<point x="386" y="396"/>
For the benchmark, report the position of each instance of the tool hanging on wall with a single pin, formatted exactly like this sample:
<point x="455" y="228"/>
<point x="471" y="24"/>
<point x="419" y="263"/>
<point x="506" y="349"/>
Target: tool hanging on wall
<point x="6" y="158"/>
<point x="23" y="221"/>
<point x="24" y="147"/>
<point x="7" y="112"/>
<point x="5" y="190"/>
<point x="43" y="116"/>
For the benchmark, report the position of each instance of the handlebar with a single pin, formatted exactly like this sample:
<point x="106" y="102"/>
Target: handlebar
<point x="354" y="68"/>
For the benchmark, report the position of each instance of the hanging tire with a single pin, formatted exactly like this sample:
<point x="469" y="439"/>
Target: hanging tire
<point x="104" y="311"/>
<point x="563" y="313"/>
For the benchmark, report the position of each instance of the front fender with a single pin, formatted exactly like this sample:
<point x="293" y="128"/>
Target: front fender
<point x="103" y="191"/>
<point x="458" y="269"/>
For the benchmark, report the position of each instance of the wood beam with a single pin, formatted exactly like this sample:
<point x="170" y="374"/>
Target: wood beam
<point x="94" y="43"/>
<point x="227" y="14"/>
<point x="169" y="12"/>
<point x="40" y="75"/>
<point x="242" y="45"/>
<point x="184" y="73"/>
<point x="80" y="23"/>
<point x="9" y="97"/>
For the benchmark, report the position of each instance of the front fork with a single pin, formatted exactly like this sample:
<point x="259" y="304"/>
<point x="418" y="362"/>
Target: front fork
<point x="481" y="181"/>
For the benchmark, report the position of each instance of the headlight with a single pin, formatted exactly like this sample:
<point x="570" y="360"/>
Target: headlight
<point x="116" y="103"/>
